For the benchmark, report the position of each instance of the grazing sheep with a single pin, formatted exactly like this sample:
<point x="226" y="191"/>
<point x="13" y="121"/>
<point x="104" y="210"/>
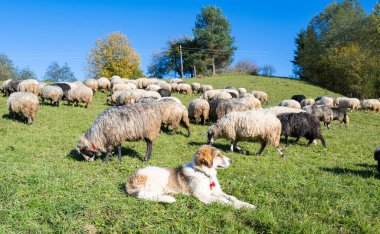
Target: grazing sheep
<point x="171" y="98"/>
<point x="152" y="87"/>
<point x="209" y="94"/>
<point x="195" y="87"/>
<point x="164" y="85"/>
<point x="237" y="126"/>
<point x="142" y="83"/>
<point x="173" y="114"/>
<point x="233" y="92"/>
<point x="204" y="88"/>
<point x="11" y="87"/>
<point x="242" y="91"/>
<point x="181" y="88"/>
<point x="176" y="80"/>
<point x="147" y="100"/>
<point x="323" y="113"/>
<point x="290" y="103"/>
<point x="4" y="86"/>
<point x="24" y="103"/>
<point x="307" y="101"/>
<point x="262" y="96"/>
<point x="301" y="125"/>
<point x="298" y="97"/>
<point x="115" y="77"/>
<point x="122" y="87"/>
<point x="347" y="103"/>
<point x="250" y="100"/>
<point x="174" y="87"/>
<point x="118" y="124"/>
<point x="219" y="108"/>
<point x="277" y="110"/>
<point x="320" y="97"/>
<point x="29" y="85"/>
<point x="340" y="115"/>
<point x="42" y="84"/>
<point x="104" y="84"/>
<point x="199" y="109"/>
<point x="376" y="155"/>
<point x="54" y="93"/>
<point x="130" y="97"/>
<point x="370" y="104"/>
<point x="65" y="88"/>
<point x="164" y="92"/>
<point x="92" y="84"/>
<point x="326" y="101"/>
<point x="221" y="96"/>
<point x="113" y="98"/>
<point x="80" y="94"/>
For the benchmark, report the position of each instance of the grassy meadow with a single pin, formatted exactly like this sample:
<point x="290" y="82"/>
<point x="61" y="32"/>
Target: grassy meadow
<point x="46" y="187"/>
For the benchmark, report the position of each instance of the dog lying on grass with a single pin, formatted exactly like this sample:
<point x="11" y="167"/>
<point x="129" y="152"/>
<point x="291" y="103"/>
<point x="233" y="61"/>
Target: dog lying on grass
<point x="197" y="178"/>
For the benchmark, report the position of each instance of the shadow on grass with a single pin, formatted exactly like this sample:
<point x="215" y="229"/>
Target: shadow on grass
<point x="366" y="165"/>
<point x="18" y="118"/>
<point x="345" y="171"/>
<point x="74" y="154"/>
<point x="223" y="147"/>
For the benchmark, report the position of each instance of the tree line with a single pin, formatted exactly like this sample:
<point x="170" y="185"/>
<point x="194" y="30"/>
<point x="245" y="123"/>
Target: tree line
<point x="340" y="49"/>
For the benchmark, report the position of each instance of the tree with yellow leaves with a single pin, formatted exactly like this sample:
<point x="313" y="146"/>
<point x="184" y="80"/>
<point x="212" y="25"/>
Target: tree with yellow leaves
<point x="113" y="55"/>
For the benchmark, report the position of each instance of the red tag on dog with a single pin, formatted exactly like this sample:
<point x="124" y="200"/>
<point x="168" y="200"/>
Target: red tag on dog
<point x="93" y="147"/>
<point x="212" y="184"/>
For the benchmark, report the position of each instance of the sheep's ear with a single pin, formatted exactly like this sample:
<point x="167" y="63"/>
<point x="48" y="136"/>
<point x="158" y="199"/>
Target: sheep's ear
<point x="204" y="156"/>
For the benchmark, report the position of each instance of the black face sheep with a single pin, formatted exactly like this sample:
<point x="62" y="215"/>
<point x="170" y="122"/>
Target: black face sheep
<point x="237" y="126"/>
<point x="298" y="97"/>
<point x="164" y="92"/>
<point x="23" y="103"/>
<point x="53" y="93"/>
<point x="118" y="124"/>
<point x="301" y="125"/>
<point x="340" y="115"/>
<point x="376" y="155"/>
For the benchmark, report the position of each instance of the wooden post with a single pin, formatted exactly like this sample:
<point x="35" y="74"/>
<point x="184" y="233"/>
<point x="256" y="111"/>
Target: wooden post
<point x="180" y="54"/>
<point x="213" y="67"/>
<point x="195" y="72"/>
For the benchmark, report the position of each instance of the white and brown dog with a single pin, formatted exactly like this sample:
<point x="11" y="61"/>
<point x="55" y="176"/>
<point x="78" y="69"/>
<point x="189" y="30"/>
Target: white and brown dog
<point x="197" y="178"/>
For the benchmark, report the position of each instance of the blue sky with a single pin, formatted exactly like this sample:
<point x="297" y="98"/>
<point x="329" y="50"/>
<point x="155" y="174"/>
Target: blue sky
<point x="35" y="33"/>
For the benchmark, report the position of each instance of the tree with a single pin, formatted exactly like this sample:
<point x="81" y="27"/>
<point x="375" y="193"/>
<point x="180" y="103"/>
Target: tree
<point x="246" y="66"/>
<point x="7" y="70"/>
<point x="267" y="70"/>
<point x="159" y="66"/>
<point x="213" y="33"/>
<point x="26" y="73"/>
<point x="59" y="74"/>
<point x="113" y="55"/>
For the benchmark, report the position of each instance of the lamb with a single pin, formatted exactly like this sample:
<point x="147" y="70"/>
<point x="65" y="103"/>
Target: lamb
<point x="92" y="84"/>
<point x="23" y="103"/>
<point x="262" y="96"/>
<point x="237" y="126"/>
<point x="242" y="91"/>
<point x="104" y="84"/>
<point x="348" y="103"/>
<point x="340" y="115"/>
<point x="307" y="101"/>
<point x="80" y="94"/>
<point x="181" y="88"/>
<point x="54" y="93"/>
<point x="326" y="101"/>
<point x="173" y="114"/>
<point x="29" y="85"/>
<point x="118" y="124"/>
<point x="376" y="155"/>
<point x="199" y="109"/>
<point x="298" y="97"/>
<point x="152" y="87"/>
<point x="195" y="87"/>
<point x="301" y="125"/>
<point x="164" y="92"/>
<point x="290" y="103"/>
<point x="370" y="104"/>
<point x="323" y="113"/>
<point x="219" y="108"/>
<point x="204" y="88"/>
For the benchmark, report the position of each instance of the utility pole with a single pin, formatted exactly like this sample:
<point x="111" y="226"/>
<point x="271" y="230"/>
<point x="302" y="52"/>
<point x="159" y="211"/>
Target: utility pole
<point x="195" y="72"/>
<point x="180" y="54"/>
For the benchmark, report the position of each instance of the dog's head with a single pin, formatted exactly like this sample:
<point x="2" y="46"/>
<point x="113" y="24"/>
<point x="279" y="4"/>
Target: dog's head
<point x="210" y="157"/>
<point x="87" y="150"/>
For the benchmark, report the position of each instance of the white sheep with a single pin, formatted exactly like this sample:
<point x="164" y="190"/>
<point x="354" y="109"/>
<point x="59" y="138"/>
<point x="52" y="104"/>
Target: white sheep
<point x="24" y="103"/>
<point x="92" y="84"/>
<point x="80" y="94"/>
<point x="290" y="103"/>
<point x="104" y="84"/>
<point x="199" y="109"/>
<point x="262" y="96"/>
<point x="54" y="93"/>
<point x="370" y="104"/>
<point x="29" y="85"/>
<point x="348" y="103"/>
<point x="307" y="101"/>
<point x="326" y="101"/>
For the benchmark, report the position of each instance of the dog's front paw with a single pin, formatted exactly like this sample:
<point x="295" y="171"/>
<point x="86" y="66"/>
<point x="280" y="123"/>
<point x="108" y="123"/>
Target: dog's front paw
<point x="240" y="205"/>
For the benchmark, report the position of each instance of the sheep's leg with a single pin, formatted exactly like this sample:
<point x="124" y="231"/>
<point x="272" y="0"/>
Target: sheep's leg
<point x="327" y="125"/>
<point x="281" y="151"/>
<point x="58" y="103"/>
<point x="203" y="120"/>
<point x="309" y="143"/>
<point x="119" y="153"/>
<point x="287" y="140"/>
<point x="107" y="159"/>
<point x="297" y="140"/>
<point x="148" y="149"/>
<point x="261" y="148"/>
<point x="323" y="141"/>
<point x="233" y="144"/>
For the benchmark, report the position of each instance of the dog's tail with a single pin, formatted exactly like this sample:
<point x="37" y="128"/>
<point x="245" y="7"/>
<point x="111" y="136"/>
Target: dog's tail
<point x="135" y="184"/>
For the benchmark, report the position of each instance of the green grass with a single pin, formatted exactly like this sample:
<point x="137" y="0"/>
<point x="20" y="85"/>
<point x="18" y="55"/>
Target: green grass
<point x="45" y="188"/>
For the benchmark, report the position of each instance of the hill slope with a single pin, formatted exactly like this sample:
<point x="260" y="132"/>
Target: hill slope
<point x="45" y="187"/>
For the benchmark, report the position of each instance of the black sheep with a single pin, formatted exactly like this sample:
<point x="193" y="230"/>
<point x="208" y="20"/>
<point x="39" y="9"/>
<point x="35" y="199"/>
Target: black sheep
<point x="301" y="125"/>
<point x="299" y="97"/>
<point x="12" y="87"/>
<point x="65" y="88"/>
<point x="341" y="115"/>
<point x="164" y="92"/>
<point x="376" y="155"/>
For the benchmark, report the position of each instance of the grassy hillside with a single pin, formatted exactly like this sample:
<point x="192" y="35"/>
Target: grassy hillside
<point x="46" y="187"/>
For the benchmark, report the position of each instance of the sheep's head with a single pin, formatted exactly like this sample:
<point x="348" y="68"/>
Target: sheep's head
<point x="212" y="134"/>
<point x="88" y="150"/>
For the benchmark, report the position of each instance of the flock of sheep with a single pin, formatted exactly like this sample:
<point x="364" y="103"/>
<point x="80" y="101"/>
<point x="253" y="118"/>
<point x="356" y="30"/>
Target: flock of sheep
<point x="144" y="107"/>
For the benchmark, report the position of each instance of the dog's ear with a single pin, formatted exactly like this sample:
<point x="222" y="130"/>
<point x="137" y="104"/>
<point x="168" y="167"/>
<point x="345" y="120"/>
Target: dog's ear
<point x="204" y="156"/>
